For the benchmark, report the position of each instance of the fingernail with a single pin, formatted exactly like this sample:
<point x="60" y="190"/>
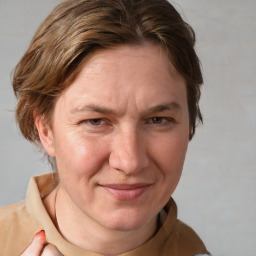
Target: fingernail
<point x="40" y="234"/>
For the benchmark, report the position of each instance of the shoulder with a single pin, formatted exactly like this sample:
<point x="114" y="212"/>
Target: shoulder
<point x="12" y="215"/>
<point x="16" y="228"/>
<point x="11" y="210"/>
<point x="188" y="240"/>
<point x="179" y="238"/>
<point x="12" y="219"/>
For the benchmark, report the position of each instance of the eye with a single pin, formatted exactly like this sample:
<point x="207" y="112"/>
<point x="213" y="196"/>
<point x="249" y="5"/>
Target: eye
<point x="95" y="121"/>
<point x="96" y="124"/>
<point x="158" y="120"/>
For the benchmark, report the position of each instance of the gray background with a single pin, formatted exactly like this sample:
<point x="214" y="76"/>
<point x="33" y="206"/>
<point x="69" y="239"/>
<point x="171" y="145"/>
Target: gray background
<point x="217" y="193"/>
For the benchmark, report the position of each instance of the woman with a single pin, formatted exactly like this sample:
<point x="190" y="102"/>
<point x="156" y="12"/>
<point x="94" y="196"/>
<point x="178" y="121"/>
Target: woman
<point x="110" y="90"/>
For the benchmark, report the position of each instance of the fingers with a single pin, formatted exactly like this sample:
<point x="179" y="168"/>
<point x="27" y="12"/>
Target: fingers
<point x="51" y="250"/>
<point x="37" y="245"/>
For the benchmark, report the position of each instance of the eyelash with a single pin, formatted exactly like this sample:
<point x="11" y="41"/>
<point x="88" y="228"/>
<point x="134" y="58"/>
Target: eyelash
<point x="165" y="120"/>
<point x="157" y="120"/>
<point x="89" y="121"/>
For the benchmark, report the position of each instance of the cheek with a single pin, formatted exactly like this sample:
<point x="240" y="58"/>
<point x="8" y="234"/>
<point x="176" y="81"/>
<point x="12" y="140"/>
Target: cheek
<point x="79" y="162"/>
<point x="172" y="159"/>
<point x="170" y="155"/>
<point x="78" y="156"/>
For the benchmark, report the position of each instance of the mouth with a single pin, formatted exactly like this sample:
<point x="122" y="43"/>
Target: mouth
<point x="126" y="192"/>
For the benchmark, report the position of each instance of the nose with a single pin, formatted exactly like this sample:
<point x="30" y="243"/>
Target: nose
<point x="128" y="152"/>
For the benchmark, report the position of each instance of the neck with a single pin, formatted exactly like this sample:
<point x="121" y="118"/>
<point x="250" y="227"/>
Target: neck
<point x="86" y="233"/>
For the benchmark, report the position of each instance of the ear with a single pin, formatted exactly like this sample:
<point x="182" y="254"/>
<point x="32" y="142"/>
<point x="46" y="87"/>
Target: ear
<point x="45" y="134"/>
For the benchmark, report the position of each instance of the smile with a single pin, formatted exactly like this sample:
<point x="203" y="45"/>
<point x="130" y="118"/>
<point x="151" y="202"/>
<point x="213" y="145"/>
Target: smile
<point x="126" y="192"/>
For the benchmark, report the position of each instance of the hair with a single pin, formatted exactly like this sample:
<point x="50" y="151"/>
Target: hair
<point x="77" y="28"/>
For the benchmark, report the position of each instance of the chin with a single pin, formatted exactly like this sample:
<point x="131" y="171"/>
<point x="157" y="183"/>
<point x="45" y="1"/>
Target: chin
<point x="127" y="220"/>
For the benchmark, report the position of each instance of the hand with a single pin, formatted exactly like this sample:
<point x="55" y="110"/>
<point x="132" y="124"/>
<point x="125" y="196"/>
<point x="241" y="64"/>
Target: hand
<point x="38" y="247"/>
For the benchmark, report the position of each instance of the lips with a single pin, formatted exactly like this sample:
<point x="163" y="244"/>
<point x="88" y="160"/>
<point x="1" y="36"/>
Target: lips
<point x="126" y="192"/>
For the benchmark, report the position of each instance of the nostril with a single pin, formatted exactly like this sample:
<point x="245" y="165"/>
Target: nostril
<point x="120" y="170"/>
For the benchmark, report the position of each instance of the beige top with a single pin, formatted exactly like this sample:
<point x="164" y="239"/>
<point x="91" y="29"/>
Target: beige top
<point x="19" y="223"/>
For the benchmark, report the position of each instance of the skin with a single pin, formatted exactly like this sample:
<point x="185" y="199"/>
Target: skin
<point x="119" y="136"/>
<point x="38" y="247"/>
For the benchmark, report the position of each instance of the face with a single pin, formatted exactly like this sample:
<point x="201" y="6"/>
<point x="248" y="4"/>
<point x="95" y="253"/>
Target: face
<point x="119" y="135"/>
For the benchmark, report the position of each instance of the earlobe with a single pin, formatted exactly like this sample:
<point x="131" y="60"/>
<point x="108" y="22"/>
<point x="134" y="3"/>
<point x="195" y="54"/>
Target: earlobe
<point x="45" y="135"/>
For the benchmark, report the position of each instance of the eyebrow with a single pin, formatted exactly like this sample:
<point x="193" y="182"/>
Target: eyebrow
<point x="171" y="106"/>
<point x="93" y="108"/>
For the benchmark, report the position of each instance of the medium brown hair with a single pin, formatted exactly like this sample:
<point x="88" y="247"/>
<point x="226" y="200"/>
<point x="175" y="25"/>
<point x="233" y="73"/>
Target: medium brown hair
<point x="77" y="28"/>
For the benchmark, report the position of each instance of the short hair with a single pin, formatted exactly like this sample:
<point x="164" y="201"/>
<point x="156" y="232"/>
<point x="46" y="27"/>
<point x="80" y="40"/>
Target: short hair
<point x="77" y="28"/>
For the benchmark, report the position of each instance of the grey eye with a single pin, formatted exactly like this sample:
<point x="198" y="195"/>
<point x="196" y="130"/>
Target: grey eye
<point x="95" y="121"/>
<point x="157" y="120"/>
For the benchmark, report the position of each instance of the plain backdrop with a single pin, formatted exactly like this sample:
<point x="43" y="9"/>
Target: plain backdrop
<point x="217" y="192"/>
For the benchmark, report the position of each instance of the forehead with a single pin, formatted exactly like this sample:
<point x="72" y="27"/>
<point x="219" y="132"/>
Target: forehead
<point x="127" y="71"/>
<point x="148" y="52"/>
